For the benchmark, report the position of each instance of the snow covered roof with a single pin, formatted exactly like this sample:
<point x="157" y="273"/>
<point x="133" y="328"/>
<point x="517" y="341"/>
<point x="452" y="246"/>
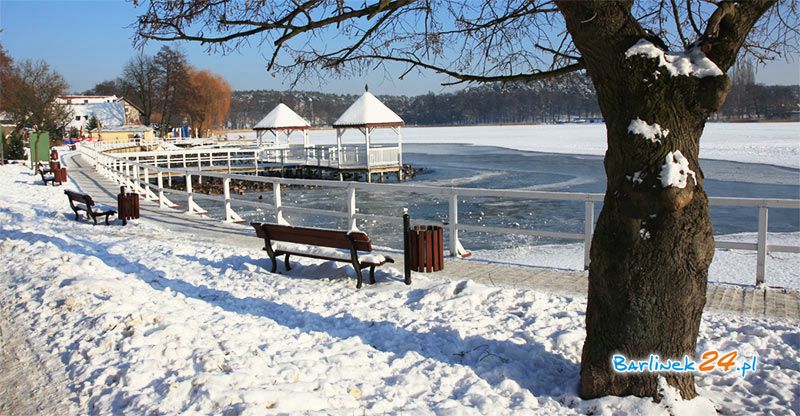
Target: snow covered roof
<point x="281" y="117"/>
<point x="108" y="114"/>
<point x="368" y="111"/>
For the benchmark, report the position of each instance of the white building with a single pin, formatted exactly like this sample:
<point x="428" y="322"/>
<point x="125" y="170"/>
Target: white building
<point x="110" y="110"/>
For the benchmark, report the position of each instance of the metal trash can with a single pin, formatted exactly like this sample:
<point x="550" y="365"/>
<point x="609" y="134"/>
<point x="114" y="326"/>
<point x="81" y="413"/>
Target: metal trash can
<point x="424" y="248"/>
<point x="127" y="205"/>
<point x="60" y="175"/>
<point x="53" y="154"/>
<point x="54" y="165"/>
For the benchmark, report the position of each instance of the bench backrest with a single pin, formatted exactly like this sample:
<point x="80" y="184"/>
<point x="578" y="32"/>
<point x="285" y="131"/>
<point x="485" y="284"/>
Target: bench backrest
<point x="314" y="236"/>
<point x="79" y="197"/>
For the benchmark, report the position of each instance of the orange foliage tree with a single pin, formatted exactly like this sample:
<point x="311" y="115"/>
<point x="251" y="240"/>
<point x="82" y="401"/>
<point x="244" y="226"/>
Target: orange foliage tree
<point x="208" y="100"/>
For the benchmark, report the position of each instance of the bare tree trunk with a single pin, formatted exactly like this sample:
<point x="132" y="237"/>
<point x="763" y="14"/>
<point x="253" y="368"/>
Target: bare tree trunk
<point x="649" y="265"/>
<point x="653" y="242"/>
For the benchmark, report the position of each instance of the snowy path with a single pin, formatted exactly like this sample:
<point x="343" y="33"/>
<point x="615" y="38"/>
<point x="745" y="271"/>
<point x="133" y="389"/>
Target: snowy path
<point x="145" y="320"/>
<point x="743" y="300"/>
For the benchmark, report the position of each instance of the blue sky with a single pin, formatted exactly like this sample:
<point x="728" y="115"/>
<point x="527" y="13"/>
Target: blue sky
<point x="89" y="41"/>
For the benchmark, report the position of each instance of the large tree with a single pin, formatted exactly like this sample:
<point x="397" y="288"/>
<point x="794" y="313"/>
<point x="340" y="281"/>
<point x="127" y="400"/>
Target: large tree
<point x="653" y="243"/>
<point x="139" y="83"/>
<point x="32" y="101"/>
<point x="208" y="100"/>
<point x="172" y="68"/>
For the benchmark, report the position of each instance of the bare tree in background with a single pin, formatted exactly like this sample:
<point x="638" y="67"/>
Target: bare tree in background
<point x="139" y="83"/>
<point x="31" y="97"/>
<point x="172" y="82"/>
<point x="653" y="243"/>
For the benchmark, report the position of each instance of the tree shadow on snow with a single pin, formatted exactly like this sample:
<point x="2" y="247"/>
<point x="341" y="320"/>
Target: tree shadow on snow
<point x="528" y="364"/>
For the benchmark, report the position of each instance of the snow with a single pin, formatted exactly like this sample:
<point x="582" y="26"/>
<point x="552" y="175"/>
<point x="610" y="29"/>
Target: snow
<point x="692" y="62"/>
<point x="728" y="266"/>
<point x="652" y="132"/>
<point x="675" y="171"/>
<point x="146" y="321"/>
<point x="367" y="110"/>
<point x="281" y="117"/>
<point x="327" y="252"/>
<point x="768" y="143"/>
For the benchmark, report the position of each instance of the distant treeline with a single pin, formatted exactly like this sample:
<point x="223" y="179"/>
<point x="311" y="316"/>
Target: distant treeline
<point x="563" y="99"/>
<point x="544" y="102"/>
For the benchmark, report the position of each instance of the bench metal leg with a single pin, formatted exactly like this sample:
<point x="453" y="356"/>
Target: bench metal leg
<point x="286" y="262"/>
<point x="360" y="278"/>
<point x="372" y="275"/>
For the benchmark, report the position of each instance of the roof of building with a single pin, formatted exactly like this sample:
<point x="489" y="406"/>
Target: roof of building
<point x="282" y="117"/>
<point x="108" y="114"/>
<point x="368" y="111"/>
<point x="129" y="127"/>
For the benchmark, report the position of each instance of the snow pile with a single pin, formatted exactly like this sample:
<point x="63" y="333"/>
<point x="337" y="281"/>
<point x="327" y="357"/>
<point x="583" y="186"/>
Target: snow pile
<point x="675" y="171"/>
<point x="652" y="132"/>
<point x="692" y="62"/>
<point x="150" y="321"/>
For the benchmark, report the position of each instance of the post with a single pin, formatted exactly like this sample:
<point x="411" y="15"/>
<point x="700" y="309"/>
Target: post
<point x="399" y="153"/>
<point x="351" y="208"/>
<point x="226" y="190"/>
<point x="761" y="261"/>
<point x="169" y="166"/>
<point x="255" y="162"/>
<point x="229" y="161"/>
<point x="189" y="198"/>
<point x="453" y="225"/>
<point x="588" y="230"/>
<point x="161" y="203"/>
<point x="406" y="257"/>
<point x="147" y="183"/>
<point x="276" y="192"/>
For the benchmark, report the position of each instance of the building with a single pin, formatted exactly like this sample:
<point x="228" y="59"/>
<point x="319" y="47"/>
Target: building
<point x="124" y="134"/>
<point x="110" y="110"/>
<point x="282" y="121"/>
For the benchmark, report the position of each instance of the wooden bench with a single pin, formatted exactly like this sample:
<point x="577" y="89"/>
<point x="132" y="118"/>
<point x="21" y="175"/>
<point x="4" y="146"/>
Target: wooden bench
<point x="75" y="199"/>
<point x="47" y="177"/>
<point x="320" y="244"/>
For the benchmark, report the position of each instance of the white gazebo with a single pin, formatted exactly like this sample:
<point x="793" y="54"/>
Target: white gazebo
<point x="281" y="121"/>
<point x="366" y="114"/>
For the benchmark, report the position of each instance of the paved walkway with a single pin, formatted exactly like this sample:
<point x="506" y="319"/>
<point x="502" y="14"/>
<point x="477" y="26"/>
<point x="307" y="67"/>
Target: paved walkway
<point x="751" y="301"/>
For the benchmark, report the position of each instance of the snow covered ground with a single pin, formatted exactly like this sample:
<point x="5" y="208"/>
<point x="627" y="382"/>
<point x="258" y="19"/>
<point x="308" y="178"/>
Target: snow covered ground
<point x="729" y="266"/>
<point x="769" y="143"/>
<point x="148" y="321"/>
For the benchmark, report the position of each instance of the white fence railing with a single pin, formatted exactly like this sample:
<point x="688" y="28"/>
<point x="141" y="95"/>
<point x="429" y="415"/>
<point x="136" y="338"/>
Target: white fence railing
<point x="137" y="176"/>
<point x="348" y="157"/>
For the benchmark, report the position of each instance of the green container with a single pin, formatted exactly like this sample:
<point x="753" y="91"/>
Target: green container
<point x="40" y="148"/>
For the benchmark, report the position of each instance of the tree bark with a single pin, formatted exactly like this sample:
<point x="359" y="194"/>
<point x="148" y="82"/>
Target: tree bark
<point x="653" y="242"/>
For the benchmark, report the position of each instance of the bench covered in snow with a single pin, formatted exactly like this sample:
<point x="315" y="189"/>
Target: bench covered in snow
<point x="84" y="202"/>
<point x="333" y="245"/>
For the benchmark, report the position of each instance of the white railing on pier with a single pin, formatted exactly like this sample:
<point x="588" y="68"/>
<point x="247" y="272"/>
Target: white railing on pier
<point x="348" y="157"/>
<point x="136" y="176"/>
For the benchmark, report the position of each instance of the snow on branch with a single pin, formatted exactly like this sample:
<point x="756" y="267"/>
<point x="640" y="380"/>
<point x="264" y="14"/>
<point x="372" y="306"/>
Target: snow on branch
<point x="689" y="63"/>
<point x="675" y="171"/>
<point x="652" y="132"/>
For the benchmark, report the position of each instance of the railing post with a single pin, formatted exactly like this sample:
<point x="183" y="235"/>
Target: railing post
<point x="189" y="197"/>
<point x="276" y="192"/>
<point x="351" y="208"/>
<point x="761" y="261"/>
<point x="230" y="215"/>
<point x="588" y="230"/>
<point x="137" y="185"/>
<point x="147" y="183"/>
<point x="161" y="203"/>
<point x="169" y="166"/>
<point x="453" y="224"/>
<point x="229" y="161"/>
<point x="255" y="163"/>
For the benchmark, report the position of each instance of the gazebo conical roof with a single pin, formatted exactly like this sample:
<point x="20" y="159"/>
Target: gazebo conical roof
<point x="368" y="111"/>
<point x="282" y="118"/>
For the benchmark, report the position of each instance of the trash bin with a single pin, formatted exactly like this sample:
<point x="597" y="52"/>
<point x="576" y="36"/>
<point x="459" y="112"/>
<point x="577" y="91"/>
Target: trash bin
<point x="53" y="154"/>
<point x="54" y="166"/>
<point x="60" y="175"/>
<point x="127" y="205"/>
<point x="424" y="248"/>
